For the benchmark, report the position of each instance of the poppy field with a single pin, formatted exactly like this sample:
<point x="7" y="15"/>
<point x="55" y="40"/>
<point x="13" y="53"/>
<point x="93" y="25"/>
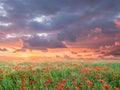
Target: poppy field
<point x="69" y="75"/>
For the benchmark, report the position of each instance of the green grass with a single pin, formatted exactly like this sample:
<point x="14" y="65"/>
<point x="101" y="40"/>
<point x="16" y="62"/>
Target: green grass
<point x="52" y="75"/>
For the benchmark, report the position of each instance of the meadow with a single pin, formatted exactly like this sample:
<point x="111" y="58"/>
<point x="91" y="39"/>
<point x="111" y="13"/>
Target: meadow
<point x="68" y="75"/>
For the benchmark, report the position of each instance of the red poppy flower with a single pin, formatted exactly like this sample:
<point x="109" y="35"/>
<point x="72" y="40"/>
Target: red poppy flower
<point x="101" y="81"/>
<point x="35" y="89"/>
<point x="22" y="84"/>
<point x="31" y="81"/>
<point x="106" y="86"/>
<point x="76" y="88"/>
<point x="1" y="79"/>
<point x="88" y="82"/>
<point x="115" y="88"/>
<point x="62" y="85"/>
<point x="88" y="87"/>
<point x="63" y="80"/>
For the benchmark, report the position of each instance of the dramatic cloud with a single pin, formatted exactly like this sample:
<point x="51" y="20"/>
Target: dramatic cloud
<point x="113" y="49"/>
<point x="50" y="24"/>
<point x="42" y="41"/>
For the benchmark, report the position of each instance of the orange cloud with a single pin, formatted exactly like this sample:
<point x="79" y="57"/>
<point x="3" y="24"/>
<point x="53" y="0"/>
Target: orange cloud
<point x="51" y="54"/>
<point x="11" y="43"/>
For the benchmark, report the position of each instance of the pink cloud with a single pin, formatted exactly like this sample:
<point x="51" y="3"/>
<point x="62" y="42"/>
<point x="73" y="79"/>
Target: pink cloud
<point x="117" y="43"/>
<point x="97" y="30"/>
<point x="117" y="22"/>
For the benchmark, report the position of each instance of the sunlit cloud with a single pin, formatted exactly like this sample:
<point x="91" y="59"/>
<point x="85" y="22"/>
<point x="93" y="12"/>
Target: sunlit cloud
<point x="117" y="22"/>
<point x="14" y="35"/>
<point x="74" y="29"/>
<point x="42" y="34"/>
<point x="5" y="24"/>
<point x="2" y="11"/>
<point x="42" y="19"/>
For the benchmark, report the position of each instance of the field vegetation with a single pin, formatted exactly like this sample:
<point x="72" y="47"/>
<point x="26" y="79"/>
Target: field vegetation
<point x="68" y="75"/>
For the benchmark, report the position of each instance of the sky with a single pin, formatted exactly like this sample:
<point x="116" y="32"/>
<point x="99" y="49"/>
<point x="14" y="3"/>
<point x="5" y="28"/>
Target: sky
<point x="59" y="29"/>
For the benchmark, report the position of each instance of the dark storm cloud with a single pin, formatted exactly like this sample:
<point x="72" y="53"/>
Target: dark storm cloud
<point x="115" y="52"/>
<point x="111" y="50"/>
<point x="20" y="12"/>
<point x="41" y="43"/>
<point x="73" y="19"/>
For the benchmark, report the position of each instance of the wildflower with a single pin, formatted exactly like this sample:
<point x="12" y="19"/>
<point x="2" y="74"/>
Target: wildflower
<point x="80" y="86"/>
<point x="1" y="79"/>
<point x="84" y="78"/>
<point x="107" y="78"/>
<point x="44" y="85"/>
<point x="62" y="85"/>
<point x="88" y="87"/>
<point x="76" y="88"/>
<point x="22" y="89"/>
<point x="0" y="72"/>
<point x="56" y="87"/>
<point x="87" y="72"/>
<point x="106" y="86"/>
<point x="88" y="82"/>
<point x="107" y="68"/>
<point x="22" y="84"/>
<point x="74" y="83"/>
<point x="104" y="72"/>
<point x="63" y="80"/>
<point x="31" y="81"/>
<point x="67" y="88"/>
<point x="59" y="89"/>
<point x="96" y="77"/>
<point x="114" y="76"/>
<point x="99" y="75"/>
<point x="115" y="88"/>
<point x="101" y="81"/>
<point x="7" y="71"/>
<point x="35" y="89"/>
<point x="14" y="76"/>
